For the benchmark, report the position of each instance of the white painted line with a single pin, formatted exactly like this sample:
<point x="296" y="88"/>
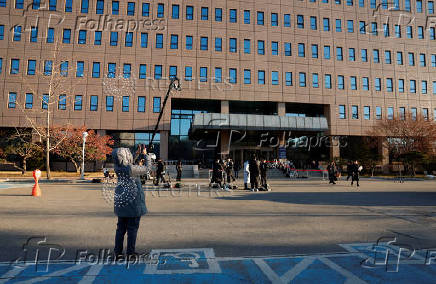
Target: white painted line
<point x="55" y="273"/>
<point x="92" y="273"/>
<point x="351" y="278"/>
<point x="297" y="269"/>
<point x="10" y="274"/>
<point x="266" y="269"/>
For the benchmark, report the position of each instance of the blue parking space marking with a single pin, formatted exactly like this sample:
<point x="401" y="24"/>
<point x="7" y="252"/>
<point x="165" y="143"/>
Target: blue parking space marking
<point x="199" y="265"/>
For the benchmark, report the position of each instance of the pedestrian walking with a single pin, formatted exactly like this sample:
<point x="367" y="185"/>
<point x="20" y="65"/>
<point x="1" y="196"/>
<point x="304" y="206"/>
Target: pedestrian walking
<point x="246" y="174"/>
<point x="229" y="170"/>
<point x="263" y="170"/>
<point x="129" y="200"/>
<point x="160" y="170"/>
<point x="355" y="171"/>
<point x="237" y="168"/>
<point x="332" y="170"/>
<point x="217" y="173"/>
<point x="254" y="173"/>
<point x="349" y="169"/>
<point x="179" y="168"/>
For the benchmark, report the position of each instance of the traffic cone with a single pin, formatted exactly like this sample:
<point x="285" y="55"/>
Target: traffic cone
<point x="36" y="191"/>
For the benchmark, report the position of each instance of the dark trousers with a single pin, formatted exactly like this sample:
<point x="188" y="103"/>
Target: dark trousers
<point x="179" y="175"/>
<point x="129" y="225"/>
<point x="254" y="180"/>
<point x="236" y="174"/>
<point x="263" y="179"/>
<point x="355" y="178"/>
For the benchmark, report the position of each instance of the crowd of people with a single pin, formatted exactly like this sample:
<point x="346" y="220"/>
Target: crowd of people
<point x="353" y="172"/>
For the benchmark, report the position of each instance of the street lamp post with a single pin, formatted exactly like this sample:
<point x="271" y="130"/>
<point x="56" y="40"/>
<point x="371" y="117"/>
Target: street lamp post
<point x="84" y="135"/>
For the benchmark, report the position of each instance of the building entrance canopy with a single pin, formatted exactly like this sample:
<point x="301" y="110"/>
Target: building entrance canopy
<point x="232" y="121"/>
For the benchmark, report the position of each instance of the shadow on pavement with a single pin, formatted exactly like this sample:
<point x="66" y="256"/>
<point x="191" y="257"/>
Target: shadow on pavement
<point x="344" y="198"/>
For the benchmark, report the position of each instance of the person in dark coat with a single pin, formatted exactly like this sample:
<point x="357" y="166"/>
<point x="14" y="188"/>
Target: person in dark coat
<point x="217" y="172"/>
<point x="229" y="170"/>
<point x="355" y="173"/>
<point x="254" y="173"/>
<point x="237" y="168"/>
<point x="263" y="171"/>
<point x="332" y="171"/>
<point x="179" y="168"/>
<point x="349" y="170"/>
<point x="160" y="169"/>
<point x="129" y="200"/>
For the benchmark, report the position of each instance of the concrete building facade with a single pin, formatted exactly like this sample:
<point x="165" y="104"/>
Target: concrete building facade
<point x="351" y="62"/>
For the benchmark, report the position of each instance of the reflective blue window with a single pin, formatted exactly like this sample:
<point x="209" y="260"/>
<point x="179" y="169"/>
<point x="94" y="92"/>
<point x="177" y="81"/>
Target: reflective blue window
<point x="173" y="71"/>
<point x="82" y="37"/>
<point x="96" y="70"/>
<point x="203" y="74"/>
<point x="142" y="71"/>
<point x="174" y="44"/>
<point x="125" y="103"/>
<point x="302" y="79"/>
<point x="141" y="104"/>
<point x="31" y="67"/>
<point x="114" y="39"/>
<point x="157" y="72"/>
<point x="66" y="38"/>
<point x="260" y="47"/>
<point x="287" y="20"/>
<point x="247" y="76"/>
<point x="218" y="75"/>
<point x="115" y="7"/>
<point x="35" y="4"/>
<point x="78" y="102"/>
<point x="218" y="44"/>
<point x="99" y="7"/>
<point x="204" y="13"/>
<point x="29" y="101"/>
<point x="15" y="66"/>
<point x="12" y="101"/>
<point x="159" y="40"/>
<point x="247" y="46"/>
<point x="232" y="45"/>
<point x="50" y="35"/>
<point x="274" y="77"/>
<point x="64" y="68"/>
<point x="97" y="38"/>
<point x="146" y="9"/>
<point x="34" y="34"/>
<point x="288" y="78"/>
<point x="111" y="70"/>
<point x="129" y="39"/>
<point x="232" y="76"/>
<point x="80" y="68"/>
<point x="189" y="41"/>
<point x="260" y="18"/>
<point x="218" y="14"/>
<point x="315" y="80"/>
<point x="261" y="77"/>
<point x="188" y="73"/>
<point x="17" y="33"/>
<point x="45" y="100"/>
<point x="175" y="11"/>
<point x="156" y="104"/>
<point x="84" y="7"/>
<point x="233" y="17"/>
<point x="93" y="106"/>
<point x="109" y="103"/>
<point x="131" y="8"/>
<point x="160" y="10"/>
<point x="127" y="70"/>
<point x="204" y="45"/>
<point x="144" y="40"/>
<point x="189" y="12"/>
<point x="68" y="6"/>
<point x="19" y="4"/>
<point x="48" y="67"/>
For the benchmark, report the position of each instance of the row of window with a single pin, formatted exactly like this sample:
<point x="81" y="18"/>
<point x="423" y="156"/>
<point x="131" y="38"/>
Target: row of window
<point x="78" y="102"/>
<point x="378" y="112"/>
<point x="204" y="11"/>
<point x="218" y="76"/>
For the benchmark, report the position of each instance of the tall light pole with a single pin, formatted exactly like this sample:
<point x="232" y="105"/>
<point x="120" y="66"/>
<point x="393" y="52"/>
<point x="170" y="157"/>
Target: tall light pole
<point x="84" y="135"/>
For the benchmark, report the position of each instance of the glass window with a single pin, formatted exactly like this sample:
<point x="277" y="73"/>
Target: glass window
<point x="15" y="66"/>
<point x="388" y="59"/>
<point x="389" y="85"/>
<point x="433" y="60"/>
<point x="114" y="39"/>
<point x="434" y="89"/>
<point x="419" y="6"/>
<point x="301" y="50"/>
<point x="218" y="14"/>
<point x="341" y="84"/>
<point x="390" y="113"/>
<point x="413" y="86"/>
<point x="109" y="103"/>
<point x="409" y="32"/>
<point x="364" y="53"/>
<point x="48" y="67"/>
<point x="378" y="84"/>
<point x="203" y="74"/>
<point x="34" y="34"/>
<point x="157" y="72"/>
<point x="339" y="54"/>
<point x="142" y="71"/>
<point x="274" y="48"/>
<point x="232" y="76"/>
<point x="420" y="32"/>
<point x="425" y="113"/>
<point x="82" y="37"/>
<point x="353" y="83"/>
<point x="378" y="113"/>
<point x="19" y="4"/>
<point x="144" y="40"/>
<point x="78" y="102"/>
<point x="274" y="19"/>
<point x="115" y="7"/>
<point x="50" y="35"/>
<point x="29" y="101"/>
<point x="314" y="51"/>
<point x="287" y="20"/>
<point x="204" y="13"/>
<point x="315" y="81"/>
<point x="62" y="103"/>
<point x="96" y="70"/>
<point x="351" y="54"/>
<point x="93" y="106"/>
<point x="424" y="87"/>
<point x="260" y="47"/>
<point x="386" y="30"/>
<point x="365" y="83"/>
<point x="97" y="38"/>
<point x="175" y="11"/>
<point x="349" y="2"/>
<point x="204" y="43"/>
<point x="260" y="18"/>
<point x="342" y="113"/>
<point x="374" y="29"/>
<point x="300" y="21"/>
<point x="189" y="42"/>
<point x="84" y="7"/>
<point x="422" y="61"/>
<point x="232" y="45"/>
<point x="327" y="81"/>
<point x="218" y="75"/>
<point x="141" y="104"/>
<point x="31" y="67"/>
<point x="432" y="33"/>
<point x="376" y="55"/>
<point x="218" y="44"/>
<point x="35" y="4"/>
<point x="125" y="103"/>
<point x="366" y="112"/>
<point x="399" y="58"/>
<point x="407" y="5"/>
<point x="45" y="101"/>
<point x="99" y="7"/>
<point x="233" y="16"/>
<point x="127" y="70"/>
<point x="173" y="72"/>
<point x="174" y="42"/>
<point x="288" y="78"/>
<point x="350" y="26"/>
<point x="64" y="68"/>
<point x="129" y="39"/>
<point x="80" y="68"/>
<point x="159" y="40"/>
<point x="326" y="51"/>
<point x="338" y="24"/>
<point x="160" y="10"/>
<point x="326" y="24"/>
<point x="146" y="9"/>
<point x="430" y="7"/>
<point x="131" y="8"/>
<point x="12" y="101"/>
<point x="354" y="112"/>
<point x="111" y="70"/>
<point x="411" y="59"/>
<point x="362" y="27"/>
<point x="189" y="12"/>
<point x="17" y="33"/>
<point x="401" y="85"/>
<point x="156" y="104"/>
<point x="247" y="76"/>
<point x="247" y="17"/>
<point x="397" y="31"/>
<point x="247" y="46"/>
<point x="313" y="23"/>
<point x="261" y="77"/>
<point x="274" y="77"/>
<point x="302" y="79"/>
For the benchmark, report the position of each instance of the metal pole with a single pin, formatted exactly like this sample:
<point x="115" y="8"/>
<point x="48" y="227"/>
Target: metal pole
<point x="84" y="135"/>
<point x="174" y="84"/>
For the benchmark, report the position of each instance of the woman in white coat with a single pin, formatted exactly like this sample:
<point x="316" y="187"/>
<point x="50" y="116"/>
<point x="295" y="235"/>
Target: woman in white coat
<point x="246" y="174"/>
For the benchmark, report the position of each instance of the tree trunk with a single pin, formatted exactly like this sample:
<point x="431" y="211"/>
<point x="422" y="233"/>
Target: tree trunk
<point x="47" y="156"/>
<point x="24" y="165"/>
<point x="76" y="166"/>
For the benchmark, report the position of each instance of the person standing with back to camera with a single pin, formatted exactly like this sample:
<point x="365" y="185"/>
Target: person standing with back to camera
<point x="129" y="200"/>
